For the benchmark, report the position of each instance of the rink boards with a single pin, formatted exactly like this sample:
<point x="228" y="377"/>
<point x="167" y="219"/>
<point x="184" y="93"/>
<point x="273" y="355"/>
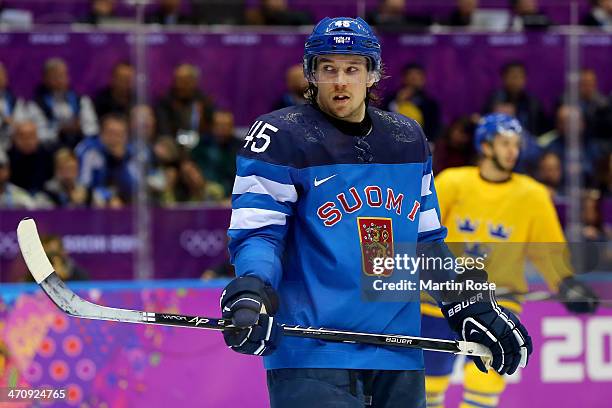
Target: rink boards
<point x="125" y="365"/>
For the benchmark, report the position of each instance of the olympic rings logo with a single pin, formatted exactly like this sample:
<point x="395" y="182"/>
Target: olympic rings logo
<point x="203" y="242"/>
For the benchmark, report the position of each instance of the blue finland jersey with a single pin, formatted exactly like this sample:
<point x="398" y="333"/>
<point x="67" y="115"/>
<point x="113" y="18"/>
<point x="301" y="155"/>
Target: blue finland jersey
<point x="302" y="203"/>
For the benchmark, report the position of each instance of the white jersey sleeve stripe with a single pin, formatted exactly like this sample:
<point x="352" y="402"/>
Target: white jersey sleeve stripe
<point x="251" y="218"/>
<point x="429" y="221"/>
<point x="426" y="185"/>
<point x="260" y="185"/>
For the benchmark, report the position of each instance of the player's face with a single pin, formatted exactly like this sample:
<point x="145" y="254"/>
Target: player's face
<point x="342" y="81"/>
<point x="505" y="150"/>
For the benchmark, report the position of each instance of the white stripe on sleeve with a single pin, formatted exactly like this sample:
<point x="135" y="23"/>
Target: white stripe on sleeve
<point x="251" y="218"/>
<point x="426" y="185"/>
<point x="260" y="185"/>
<point x="428" y="220"/>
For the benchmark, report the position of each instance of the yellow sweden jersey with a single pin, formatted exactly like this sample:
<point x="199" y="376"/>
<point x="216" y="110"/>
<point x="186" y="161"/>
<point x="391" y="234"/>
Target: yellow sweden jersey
<point x="493" y="219"/>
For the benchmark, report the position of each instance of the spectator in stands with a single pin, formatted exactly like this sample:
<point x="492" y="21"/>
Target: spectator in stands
<point x="296" y="86"/>
<point x="600" y="14"/>
<point x="603" y="175"/>
<point x="62" y="263"/>
<point x="168" y="13"/>
<point x="143" y="123"/>
<point x="593" y="229"/>
<point x="31" y="161"/>
<point x="391" y="15"/>
<point x="527" y="107"/>
<point x="186" y="109"/>
<point x="596" y="108"/>
<point x="118" y="96"/>
<point x="527" y="16"/>
<point x="216" y="153"/>
<point x="100" y="12"/>
<point x="276" y="12"/>
<point x="228" y="12"/>
<point x="106" y="163"/>
<point x="61" y="115"/>
<point x="166" y="152"/>
<point x="64" y="189"/>
<point x="463" y="13"/>
<point x="143" y="126"/>
<point x="412" y="100"/>
<point x="12" y="109"/>
<point x="550" y="172"/>
<point x="555" y="140"/>
<point x="193" y="186"/>
<point x="163" y="178"/>
<point x="12" y="196"/>
<point x="456" y="147"/>
<point x="15" y="16"/>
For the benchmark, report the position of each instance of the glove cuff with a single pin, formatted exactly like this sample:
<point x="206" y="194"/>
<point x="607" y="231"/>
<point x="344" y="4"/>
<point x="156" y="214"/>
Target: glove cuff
<point x="474" y="304"/>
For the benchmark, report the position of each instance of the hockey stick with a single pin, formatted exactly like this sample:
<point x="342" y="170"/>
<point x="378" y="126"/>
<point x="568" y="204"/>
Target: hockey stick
<point x="64" y="298"/>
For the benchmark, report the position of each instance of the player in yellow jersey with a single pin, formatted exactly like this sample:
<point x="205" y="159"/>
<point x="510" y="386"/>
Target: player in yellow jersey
<point x="491" y="211"/>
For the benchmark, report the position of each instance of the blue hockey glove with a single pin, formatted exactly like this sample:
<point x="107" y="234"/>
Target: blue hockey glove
<point x="250" y="305"/>
<point x="577" y="297"/>
<point x="480" y="319"/>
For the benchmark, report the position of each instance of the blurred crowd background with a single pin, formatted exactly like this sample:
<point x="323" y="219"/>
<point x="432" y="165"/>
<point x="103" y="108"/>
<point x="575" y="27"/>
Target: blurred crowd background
<point x="120" y="146"/>
<point x="387" y="14"/>
<point x="120" y="121"/>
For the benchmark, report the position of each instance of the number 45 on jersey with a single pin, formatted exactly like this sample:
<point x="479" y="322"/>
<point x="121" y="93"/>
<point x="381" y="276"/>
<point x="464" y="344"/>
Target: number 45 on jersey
<point x="257" y="135"/>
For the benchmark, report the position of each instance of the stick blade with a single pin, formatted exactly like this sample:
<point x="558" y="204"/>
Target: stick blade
<point x="469" y="348"/>
<point x="32" y="250"/>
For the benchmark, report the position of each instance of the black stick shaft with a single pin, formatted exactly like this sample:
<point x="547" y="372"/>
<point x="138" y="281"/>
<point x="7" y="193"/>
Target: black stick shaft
<point x="74" y="305"/>
<point x="312" y="333"/>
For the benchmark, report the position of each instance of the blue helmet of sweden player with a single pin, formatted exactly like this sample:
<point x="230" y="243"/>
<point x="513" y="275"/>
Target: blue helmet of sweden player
<point x="495" y="124"/>
<point x="342" y="35"/>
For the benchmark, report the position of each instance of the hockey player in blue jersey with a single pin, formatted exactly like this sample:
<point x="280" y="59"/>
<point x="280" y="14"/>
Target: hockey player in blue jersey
<point x="315" y="185"/>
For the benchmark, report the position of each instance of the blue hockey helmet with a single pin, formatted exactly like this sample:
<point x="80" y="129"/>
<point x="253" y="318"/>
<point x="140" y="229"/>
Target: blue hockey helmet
<point x="495" y="124"/>
<point x="342" y="35"/>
